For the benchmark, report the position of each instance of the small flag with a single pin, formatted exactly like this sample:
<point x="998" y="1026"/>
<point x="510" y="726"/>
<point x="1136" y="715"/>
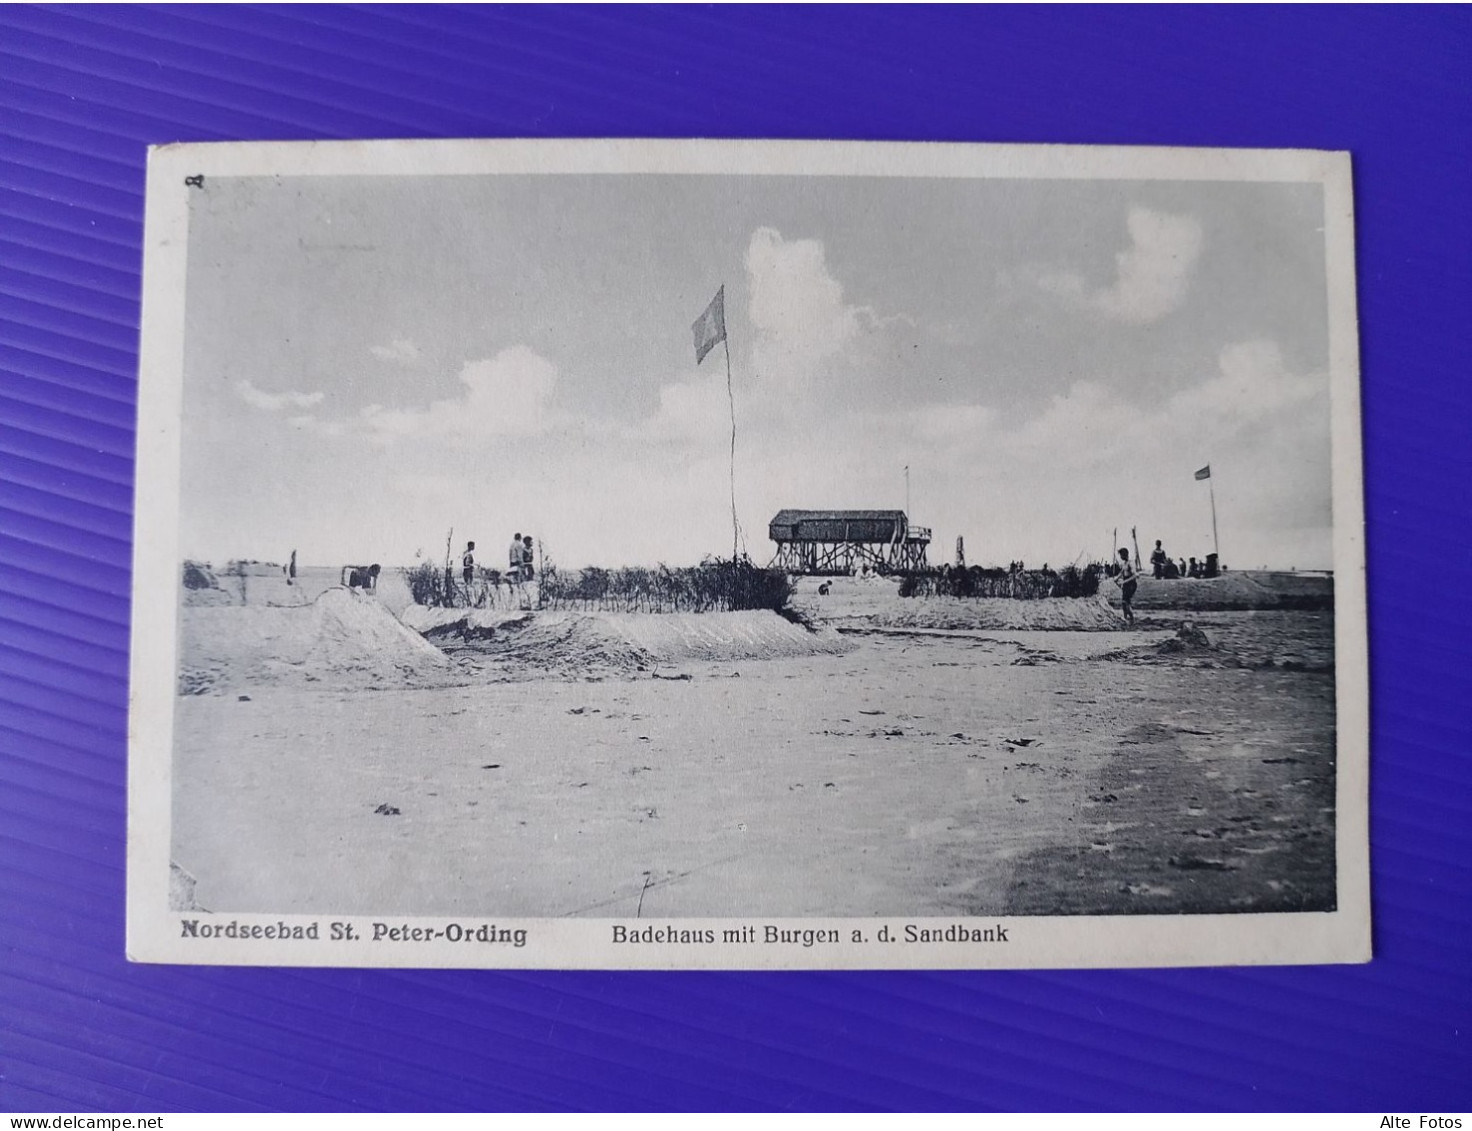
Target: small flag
<point x="710" y="327"/>
<point x="1204" y="473"/>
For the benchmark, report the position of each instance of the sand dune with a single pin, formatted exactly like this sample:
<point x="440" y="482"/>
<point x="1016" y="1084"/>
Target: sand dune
<point x="576" y="641"/>
<point x="340" y="638"/>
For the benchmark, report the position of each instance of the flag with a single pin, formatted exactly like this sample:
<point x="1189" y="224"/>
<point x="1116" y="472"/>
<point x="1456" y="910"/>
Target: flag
<point x="1204" y="473"/>
<point x="710" y="327"/>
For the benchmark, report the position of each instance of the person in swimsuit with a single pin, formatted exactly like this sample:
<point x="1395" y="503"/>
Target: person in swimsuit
<point x="1128" y="581"/>
<point x="1157" y="560"/>
<point x="513" y="559"/>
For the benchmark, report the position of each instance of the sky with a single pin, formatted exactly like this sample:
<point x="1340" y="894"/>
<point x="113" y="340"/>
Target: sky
<point x="371" y="362"/>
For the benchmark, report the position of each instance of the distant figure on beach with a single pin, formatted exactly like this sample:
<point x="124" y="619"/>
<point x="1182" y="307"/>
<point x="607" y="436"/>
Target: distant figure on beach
<point x="527" y="557"/>
<point x="1127" y="580"/>
<point x="1195" y="570"/>
<point x="823" y="589"/>
<point x="1183" y="567"/>
<point x="1158" y="559"/>
<point x="467" y="565"/>
<point x="361" y="577"/>
<point x="513" y="558"/>
<point x="290" y="570"/>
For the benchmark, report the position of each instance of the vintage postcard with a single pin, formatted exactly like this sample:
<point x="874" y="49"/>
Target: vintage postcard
<point x="702" y="554"/>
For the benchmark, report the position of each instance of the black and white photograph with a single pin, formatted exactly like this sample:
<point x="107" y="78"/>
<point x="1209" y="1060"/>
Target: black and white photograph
<point x="736" y="555"/>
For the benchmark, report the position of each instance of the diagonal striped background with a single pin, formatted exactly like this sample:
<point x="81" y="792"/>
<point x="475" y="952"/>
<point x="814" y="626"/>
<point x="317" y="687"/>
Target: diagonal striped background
<point x="84" y="90"/>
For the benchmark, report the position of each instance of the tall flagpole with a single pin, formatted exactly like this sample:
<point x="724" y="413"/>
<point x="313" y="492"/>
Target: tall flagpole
<point x="1215" y="545"/>
<point x="731" y="396"/>
<point x="706" y="328"/>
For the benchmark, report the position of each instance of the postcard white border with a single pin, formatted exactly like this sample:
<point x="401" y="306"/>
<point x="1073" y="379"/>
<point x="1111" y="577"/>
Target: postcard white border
<point x="157" y="934"/>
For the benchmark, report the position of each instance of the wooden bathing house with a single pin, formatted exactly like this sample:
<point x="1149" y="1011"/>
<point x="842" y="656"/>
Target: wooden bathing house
<point x="842" y="542"/>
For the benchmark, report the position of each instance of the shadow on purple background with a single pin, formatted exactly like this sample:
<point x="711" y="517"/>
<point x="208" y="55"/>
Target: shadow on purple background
<point x="83" y="91"/>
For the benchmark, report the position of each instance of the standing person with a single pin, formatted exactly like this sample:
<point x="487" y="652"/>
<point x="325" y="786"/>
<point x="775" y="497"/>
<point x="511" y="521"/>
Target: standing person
<point x="1128" y="581"/>
<point x="467" y="565"/>
<point x="1157" y="560"/>
<point x="513" y="559"/>
<point x="527" y="559"/>
<point x="467" y="572"/>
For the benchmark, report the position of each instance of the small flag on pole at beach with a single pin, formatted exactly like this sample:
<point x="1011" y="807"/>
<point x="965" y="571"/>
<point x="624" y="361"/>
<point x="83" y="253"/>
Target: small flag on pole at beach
<point x="710" y="327"/>
<point x="1204" y="473"/>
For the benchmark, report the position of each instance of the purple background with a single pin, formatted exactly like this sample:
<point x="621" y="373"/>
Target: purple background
<point x="82" y="91"/>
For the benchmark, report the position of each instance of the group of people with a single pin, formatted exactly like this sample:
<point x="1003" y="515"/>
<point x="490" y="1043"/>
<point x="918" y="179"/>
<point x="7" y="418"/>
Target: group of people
<point x="354" y="577"/>
<point x="520" y="562"/>
<point x="1166" y="569"/>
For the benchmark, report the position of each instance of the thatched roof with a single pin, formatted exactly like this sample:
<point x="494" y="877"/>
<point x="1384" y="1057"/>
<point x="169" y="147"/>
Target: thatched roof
<point x="789" y="517"/>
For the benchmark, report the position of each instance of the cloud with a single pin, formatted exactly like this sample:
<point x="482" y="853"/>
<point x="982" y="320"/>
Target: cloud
<point x="401" y="350"/>
<point x="1084" y="427"/>
<point x="1155" y="271"/>
<point x="1254" y="382"/>
<point x="797" y="310"/>
<point x="306" y="422"/>
<point x="1152" y="275"/>
<point x="941" y="429"/>
<point x="697" y="411"/>
<point x="505" y="395"/>
<point x="1252" y="391"/>
<point x="274" y="402"/>
<point x="949" y="422"/>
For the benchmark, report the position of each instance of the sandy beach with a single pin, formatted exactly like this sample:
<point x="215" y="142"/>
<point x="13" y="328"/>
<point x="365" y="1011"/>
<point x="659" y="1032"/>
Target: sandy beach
<point x="893" y="770"/>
